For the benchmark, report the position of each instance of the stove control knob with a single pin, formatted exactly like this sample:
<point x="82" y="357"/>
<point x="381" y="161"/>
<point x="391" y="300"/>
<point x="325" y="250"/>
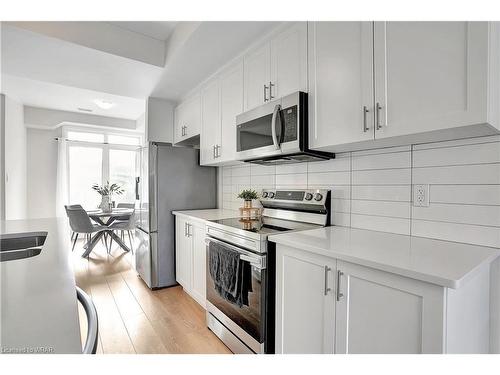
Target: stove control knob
<point x="264" y="194"/>
<point x="270" y="194"/>
<point x="308" y="196"/>
<point x="318" y="197"/>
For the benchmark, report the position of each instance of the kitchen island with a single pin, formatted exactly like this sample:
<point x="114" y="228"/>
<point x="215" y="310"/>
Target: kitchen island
<point x="39" y="311"/>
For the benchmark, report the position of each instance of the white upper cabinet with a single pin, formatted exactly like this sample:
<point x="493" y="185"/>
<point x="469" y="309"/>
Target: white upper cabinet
<point x="188" y="119"/>
<point x="289" y="61"/>
<point x="430" y="75"/>
<point x="277" y="68"/>
<point x="379" y="312"/>
<point x="210" y="122"/>
<point x="340" y="83"/>
<point x="231" y="105"/>
<point x="393" y="83"/>
<point x="257" y="76"/>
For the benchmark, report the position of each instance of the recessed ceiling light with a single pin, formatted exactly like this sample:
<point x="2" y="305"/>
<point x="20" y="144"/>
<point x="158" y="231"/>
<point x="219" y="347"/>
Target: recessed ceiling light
<point x="104" y="104"/>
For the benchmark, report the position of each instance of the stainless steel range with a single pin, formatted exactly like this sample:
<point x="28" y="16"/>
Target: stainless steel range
<point x="246" y="325"/>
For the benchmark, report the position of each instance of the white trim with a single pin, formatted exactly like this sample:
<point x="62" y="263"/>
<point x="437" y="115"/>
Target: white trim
<point x="85" y="126"/>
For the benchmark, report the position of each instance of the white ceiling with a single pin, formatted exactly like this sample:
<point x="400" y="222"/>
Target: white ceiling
<point x="44" y="70"/>
<point x="160" y="30"/>
<point x="65" y="98"/>
<point x="212" y="45"/>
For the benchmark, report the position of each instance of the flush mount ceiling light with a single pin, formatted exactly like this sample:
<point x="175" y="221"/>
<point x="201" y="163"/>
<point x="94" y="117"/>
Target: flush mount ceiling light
<point x="104" y="104"/>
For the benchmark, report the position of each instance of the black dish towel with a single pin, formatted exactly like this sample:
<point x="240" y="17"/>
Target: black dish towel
<point x="232" y="276"/>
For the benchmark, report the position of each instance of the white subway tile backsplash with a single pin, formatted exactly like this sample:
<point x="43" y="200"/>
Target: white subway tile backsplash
<point x="465" y="194"/>
<point x="459" y="213"/>
<point x="297" y="179"/>
<point x="474" y="234"/>
<point x="329" y="178"/>
<point x="338" y="164"/>
<point x="381" y="223"/>
<point x="260" y="170"/>
<point x="479" y="174"/>
<point x="340" y="219"/>
<point x="382" y="177"/>
<point x="372" y="189"/>
<point x="458" y="155"/>
<point x="381" y="161"/>
<point x="291" y="168"/>
<point x="341" y="205"/>
<point x="381" y="208"/>
<point x="400" y="193"/>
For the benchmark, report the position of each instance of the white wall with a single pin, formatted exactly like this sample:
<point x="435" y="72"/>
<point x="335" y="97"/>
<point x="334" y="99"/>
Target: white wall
<point x="2" y="154"/>
<point x="42" y="172"/>
<point x="15" y="154"/>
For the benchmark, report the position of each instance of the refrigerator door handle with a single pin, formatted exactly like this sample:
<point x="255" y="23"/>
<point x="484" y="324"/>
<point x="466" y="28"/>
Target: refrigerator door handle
<point x="137" y="181"/>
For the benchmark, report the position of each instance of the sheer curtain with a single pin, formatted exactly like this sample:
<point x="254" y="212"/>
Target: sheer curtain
<point x="62" y="178"/>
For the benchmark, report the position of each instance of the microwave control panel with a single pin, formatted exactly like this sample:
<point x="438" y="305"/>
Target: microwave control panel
<point x="290" y="122"/>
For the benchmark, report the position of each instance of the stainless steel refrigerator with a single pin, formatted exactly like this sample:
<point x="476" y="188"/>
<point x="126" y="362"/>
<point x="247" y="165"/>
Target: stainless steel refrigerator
<point x="170" y="179"/>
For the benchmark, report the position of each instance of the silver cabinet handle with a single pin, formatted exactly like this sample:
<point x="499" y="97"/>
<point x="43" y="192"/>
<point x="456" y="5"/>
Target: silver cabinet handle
<point x="271" y="90"/>
<point x="327" y="289"/>
<point x="265" y="93"/>
<point x="213" y="151"/>
<point x="378" y="107"/>
<point x="217" y="148"/>
<point x="185" y="229"/>
<point x="339" y="275"/>
<point x="365" y="124"/>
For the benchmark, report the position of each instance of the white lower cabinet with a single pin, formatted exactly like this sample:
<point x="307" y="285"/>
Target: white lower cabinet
<point x="305" y="303"/>
<point x="190" y="258"/>
<point x="324" y="305"/>
<point x="379" y="312"/>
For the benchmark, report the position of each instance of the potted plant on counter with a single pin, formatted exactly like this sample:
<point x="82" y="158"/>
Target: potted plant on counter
<point x="248" y="196"/>
<point x="106" y="191"/>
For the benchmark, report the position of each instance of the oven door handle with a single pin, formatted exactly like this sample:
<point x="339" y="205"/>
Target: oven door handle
<point x="276" y="141"/>
<point x="259" y="261"/>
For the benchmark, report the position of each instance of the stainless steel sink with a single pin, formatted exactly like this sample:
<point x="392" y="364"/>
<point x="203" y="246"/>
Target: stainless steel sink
<point x="21" y="245"/>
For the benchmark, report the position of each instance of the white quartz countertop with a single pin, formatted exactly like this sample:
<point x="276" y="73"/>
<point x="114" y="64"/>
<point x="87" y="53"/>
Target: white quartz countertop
<point x="204" y="215"/>
<point x="39" y="307"/>
<point x="444" y="263"/>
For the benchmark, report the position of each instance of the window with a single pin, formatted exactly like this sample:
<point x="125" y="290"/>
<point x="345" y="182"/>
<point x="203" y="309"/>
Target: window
<point x="85" y="169"/>
<point x="98" y="158"/>
<point x="122" y="170"/>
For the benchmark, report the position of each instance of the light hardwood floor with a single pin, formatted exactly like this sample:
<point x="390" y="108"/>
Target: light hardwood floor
<point x="134" y="319"/>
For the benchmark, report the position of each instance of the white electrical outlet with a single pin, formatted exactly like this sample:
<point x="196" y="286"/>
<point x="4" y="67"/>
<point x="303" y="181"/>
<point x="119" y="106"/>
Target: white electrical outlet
<point x="421" y="195"/>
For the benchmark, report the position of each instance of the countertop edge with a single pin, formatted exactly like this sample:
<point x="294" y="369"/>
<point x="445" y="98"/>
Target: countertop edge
<point x="425" y="277"/>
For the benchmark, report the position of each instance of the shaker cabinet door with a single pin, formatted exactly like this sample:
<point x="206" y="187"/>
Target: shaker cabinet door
<point x="289" y="61"/>
<point x="305" y="313"/>
<point x="429" y="76"/>
<point x="379" y="312"/>
<point x="183" y="251"/>
<point x="199" y="269"/>
<point x="257" y="76"/>
<point x="340" y="56"/>
<point x="210" y="122"/>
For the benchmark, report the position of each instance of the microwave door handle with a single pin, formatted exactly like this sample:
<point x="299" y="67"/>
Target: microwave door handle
<point x="277" y="109"/>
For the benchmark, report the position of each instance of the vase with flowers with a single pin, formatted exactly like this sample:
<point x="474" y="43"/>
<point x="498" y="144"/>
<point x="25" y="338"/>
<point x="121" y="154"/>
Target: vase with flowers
<point x="106" y="191"/>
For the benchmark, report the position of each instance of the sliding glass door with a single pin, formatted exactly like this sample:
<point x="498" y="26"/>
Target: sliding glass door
<point x="85" y="168"/>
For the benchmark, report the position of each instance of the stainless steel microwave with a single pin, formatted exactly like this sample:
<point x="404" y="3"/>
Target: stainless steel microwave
<point x="276" y="133"/>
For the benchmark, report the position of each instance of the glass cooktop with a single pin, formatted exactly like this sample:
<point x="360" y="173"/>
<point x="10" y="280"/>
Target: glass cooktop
<point x="264" y="225"/>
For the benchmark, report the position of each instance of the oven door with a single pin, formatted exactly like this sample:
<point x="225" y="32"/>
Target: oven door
<point x="247" y="322"/>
